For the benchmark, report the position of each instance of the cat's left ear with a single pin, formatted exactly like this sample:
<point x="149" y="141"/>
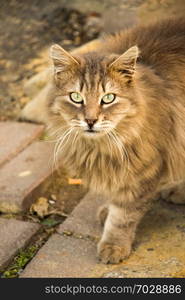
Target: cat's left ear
<point x="62" y="60"/>
<point x="125" y="64"/>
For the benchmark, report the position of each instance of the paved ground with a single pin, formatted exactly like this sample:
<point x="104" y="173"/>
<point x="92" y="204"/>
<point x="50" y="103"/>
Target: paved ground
<point x="28" y="176"/>
<point x="25" y="172"/>
<point x="71" y="252"/>
<point x="28" y="168"/>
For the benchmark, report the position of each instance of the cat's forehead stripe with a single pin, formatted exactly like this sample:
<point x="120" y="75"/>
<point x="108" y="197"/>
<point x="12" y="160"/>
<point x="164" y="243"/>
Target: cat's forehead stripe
<point x="93" y="75"/>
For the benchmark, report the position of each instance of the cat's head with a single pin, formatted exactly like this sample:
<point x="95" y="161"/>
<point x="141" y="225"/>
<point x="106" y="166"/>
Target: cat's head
<point x="94" y="92"/>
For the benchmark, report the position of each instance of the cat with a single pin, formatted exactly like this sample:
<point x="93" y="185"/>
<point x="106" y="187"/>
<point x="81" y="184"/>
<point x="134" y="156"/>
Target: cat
<point x="118" y="112"/>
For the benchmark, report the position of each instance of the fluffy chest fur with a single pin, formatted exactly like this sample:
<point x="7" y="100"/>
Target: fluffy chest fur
<point x="138" y="139"/>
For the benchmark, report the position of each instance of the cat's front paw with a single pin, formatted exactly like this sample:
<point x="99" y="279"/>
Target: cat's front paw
<point x="111" y="253"/>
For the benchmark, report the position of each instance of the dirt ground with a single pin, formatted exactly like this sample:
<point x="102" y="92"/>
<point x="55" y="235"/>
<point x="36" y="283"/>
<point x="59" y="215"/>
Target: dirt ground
<point x="26" y="30"/>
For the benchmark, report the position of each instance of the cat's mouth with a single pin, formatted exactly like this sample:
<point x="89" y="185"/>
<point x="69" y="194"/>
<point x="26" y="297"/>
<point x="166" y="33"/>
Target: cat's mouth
<point x="91" y="131"/>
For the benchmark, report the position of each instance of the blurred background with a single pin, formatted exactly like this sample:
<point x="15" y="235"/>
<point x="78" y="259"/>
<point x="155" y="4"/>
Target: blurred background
<point x="28" y="28"/>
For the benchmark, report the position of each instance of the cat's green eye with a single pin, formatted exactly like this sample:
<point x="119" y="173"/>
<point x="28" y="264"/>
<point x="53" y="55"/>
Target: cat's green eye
<point x="108" y="98"/>
<point x="76" y="97"/>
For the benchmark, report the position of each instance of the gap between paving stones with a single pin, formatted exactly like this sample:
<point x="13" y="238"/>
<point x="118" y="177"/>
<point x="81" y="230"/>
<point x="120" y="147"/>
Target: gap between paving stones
<point x="65" y="234"/>
<point x="78" y="236"/>
<point x="18" y="235"/>
<point x="12" y="262"/>
<point x="38" y="240"/>
<point x="41" y="238"/>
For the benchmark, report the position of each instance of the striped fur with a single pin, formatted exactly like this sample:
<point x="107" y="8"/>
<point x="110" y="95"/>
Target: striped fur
<point x="139" y="149"/>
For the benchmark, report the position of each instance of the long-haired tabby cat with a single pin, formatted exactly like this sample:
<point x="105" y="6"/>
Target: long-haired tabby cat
<point x="119" y="113"/>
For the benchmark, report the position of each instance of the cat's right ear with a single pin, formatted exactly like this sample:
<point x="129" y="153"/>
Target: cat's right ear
<point x="62" y="60"/>
<point x="125" y="64"/>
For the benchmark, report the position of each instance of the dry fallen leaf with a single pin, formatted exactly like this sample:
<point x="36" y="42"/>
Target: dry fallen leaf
<point x="74" y="181"/>
<point x="40" y="207"/>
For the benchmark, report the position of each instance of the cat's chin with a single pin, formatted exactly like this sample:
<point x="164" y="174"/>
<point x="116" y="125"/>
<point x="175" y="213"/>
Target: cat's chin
<point x="93" y="133"/>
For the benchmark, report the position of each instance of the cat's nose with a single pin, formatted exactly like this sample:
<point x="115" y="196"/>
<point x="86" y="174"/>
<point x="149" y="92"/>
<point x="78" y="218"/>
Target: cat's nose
<point x="90" y="122"/>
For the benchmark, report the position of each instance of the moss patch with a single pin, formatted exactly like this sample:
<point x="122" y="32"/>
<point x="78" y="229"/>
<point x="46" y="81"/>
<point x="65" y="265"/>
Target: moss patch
<point x="25" y="255"/>
<point x="20" y="261"/>
<point x="51" y="222"/>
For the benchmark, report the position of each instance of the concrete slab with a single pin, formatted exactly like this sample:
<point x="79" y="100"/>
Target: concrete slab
<point x="63" y="257"/>
<point x="14" y="235"/>
<point x="158" y="250"/>
<point x="14" y="137"/>
<point x="83" y="220"/>
<point x="23" y="176"/>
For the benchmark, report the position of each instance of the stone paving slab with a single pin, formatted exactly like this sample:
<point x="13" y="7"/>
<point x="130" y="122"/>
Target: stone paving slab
<point x="14" y="137"/>
<point x="83" y="219"/>
<point x="21" y="178"/>
<point x="14" y="235"/>
<point x="64" y="256"/>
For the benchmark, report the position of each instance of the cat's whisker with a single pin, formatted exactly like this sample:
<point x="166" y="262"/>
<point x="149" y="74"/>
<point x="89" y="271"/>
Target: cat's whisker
<point x="116" y="144"/>
<point x="59" y="140"/>
<point x="109" y="143"/>
<point x="59" y="145"/>
<point x="62" y="143"/>
<point x="56" y="141"/>
<point x="106" y="122"/>
<point x="126" y="155"/>
<point x="123" y="152"/>
<point x="106" y="127"/>
<point x="57" y="132"/>
<point x="75" y="122"/>
<point x="127" y="160"/>
<point x="74" y="139"/>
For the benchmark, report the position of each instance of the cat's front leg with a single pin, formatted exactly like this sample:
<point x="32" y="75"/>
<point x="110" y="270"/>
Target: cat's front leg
<point x="119" y="230"/>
